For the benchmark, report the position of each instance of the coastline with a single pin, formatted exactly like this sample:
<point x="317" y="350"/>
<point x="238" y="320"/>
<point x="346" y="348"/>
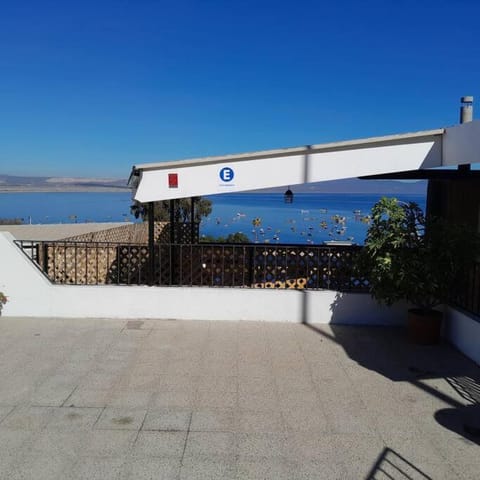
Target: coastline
<point x="61" y="189"/>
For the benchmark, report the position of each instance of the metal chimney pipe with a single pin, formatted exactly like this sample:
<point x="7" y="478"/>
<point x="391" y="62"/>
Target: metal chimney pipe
<point x="466" y="115"/>
<point x="466" y="109"/>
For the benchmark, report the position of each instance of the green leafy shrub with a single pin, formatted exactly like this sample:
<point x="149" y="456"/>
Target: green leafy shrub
<point x="408" y="256"/>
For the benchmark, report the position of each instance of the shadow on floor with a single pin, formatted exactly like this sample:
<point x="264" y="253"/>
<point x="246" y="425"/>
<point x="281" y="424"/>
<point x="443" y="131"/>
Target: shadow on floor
<point x="392" y="465"/>
<point x="465" y="421"/>
<point x="387" y="351"/>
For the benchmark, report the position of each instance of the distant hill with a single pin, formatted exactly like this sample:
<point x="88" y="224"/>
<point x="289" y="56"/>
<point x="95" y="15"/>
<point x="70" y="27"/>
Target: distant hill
<point x="355" y="185"/>
<point x="12" y="183"/>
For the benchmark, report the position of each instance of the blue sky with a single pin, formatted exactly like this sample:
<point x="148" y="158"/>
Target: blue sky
<point x="90" y="88"/>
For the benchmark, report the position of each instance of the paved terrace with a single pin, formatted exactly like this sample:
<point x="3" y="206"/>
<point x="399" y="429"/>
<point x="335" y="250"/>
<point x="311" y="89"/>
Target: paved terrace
<point x="109" y="399"/>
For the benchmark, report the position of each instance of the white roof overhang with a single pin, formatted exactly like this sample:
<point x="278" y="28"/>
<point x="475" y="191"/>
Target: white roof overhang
<point x="292" y="166"/>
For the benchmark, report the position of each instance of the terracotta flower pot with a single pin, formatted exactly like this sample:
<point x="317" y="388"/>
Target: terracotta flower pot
<point x="424" y="326"/>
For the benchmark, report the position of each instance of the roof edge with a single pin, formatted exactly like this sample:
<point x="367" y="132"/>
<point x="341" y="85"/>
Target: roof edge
<point x="344" y="144"/>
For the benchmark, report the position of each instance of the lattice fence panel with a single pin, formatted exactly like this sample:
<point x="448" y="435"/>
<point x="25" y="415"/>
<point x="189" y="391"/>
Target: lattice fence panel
<point x="182" y="234"/>
<point x="78" y="264"/>
<point x="257" y="266"/>
<point x="130" y="267"/>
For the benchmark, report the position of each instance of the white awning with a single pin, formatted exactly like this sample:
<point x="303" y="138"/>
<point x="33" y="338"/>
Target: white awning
<point x="292" y="166"/>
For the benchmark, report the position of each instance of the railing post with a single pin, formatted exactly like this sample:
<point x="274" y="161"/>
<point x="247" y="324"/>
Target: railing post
<point x="151" y="244"/>
<point x="45" y="258"/>
<point x="172" y="241"/>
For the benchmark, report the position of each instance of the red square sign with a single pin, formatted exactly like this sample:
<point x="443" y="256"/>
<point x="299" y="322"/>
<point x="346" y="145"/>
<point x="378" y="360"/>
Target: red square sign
<point x="173" y="180"/>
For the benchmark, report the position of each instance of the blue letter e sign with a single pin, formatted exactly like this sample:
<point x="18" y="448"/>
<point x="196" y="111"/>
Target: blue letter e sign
<point x="226" y="174"/>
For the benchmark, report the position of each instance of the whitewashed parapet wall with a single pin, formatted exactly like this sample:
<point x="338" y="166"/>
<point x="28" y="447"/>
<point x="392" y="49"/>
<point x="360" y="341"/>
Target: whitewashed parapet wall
<point x="32" y="295"/>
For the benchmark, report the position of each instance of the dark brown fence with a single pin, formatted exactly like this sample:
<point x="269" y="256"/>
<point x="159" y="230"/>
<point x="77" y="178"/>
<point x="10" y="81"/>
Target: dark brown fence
<point x="203" y="264"/>
<point x="469" y="298"/>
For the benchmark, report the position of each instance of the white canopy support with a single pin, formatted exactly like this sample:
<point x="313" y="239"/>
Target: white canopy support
<point x="292" y="166"/>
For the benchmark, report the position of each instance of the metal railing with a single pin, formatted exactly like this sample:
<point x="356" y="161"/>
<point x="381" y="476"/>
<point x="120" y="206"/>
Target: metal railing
<point x="203" y="264"/>
<point x="469" y="298"/>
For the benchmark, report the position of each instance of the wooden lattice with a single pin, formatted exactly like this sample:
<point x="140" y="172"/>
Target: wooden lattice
<point x="256" y="266"/>
<point x="79" y="263"/>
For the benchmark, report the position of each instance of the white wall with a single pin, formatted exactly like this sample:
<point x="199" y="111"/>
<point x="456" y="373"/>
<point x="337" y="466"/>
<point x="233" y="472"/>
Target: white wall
<point x="461" y="144"/>
<point x="463" y="332"/>
<point x="31" y="294"/>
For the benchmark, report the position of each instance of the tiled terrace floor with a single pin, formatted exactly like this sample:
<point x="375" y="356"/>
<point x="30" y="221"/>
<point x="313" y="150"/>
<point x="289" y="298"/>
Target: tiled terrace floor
<point x="139" y="400"/>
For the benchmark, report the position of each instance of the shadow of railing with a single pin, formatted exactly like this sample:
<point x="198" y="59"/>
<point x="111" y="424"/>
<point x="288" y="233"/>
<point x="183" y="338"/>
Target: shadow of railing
<point x="466" y="387"/>
<point x="391" y="465"/>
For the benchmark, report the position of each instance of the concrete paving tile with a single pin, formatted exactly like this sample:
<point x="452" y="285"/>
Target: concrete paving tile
<point x="170" y="419"/>
<point x="350" y="420"/>
<point x="14" y="444"/>
<point x="213" y="420"/>
<point x="12" y="393"/>
<point x="388" y="421"/>
<point x="94" y="468"/>
<point x="259" y="401"/>
<point x="414" y="447"/>
<point x="130" y="399"/>
<point x="391" y="464"/>
<point x="57" y="444"/>
<point x="256" y="386"/>
<point x="299" y="420"/>
<point x="83" y="397"/>
<point x="456" y="449"/>
<point x="160" y="444"/>
<point x="40" y="467"/>
<point x="173" y="398"/>
<point x="178" y="382"/>
<point x="267" y="445"/>
<point x="358" y="452"/>
<point x="307" y="446"/>
<point x="318" y="470"/>
<point x="121" y="419"/>
<point x="213" y="373"/>
<point x="214" y="399"/>
<point x="195" y="468"/>
<point x="218" y="369"/>
<point x="5" y="410"/>
<point x="210" y="444"/>
<point x="154" y="469"/>
<point x="254" y="369"/>
<point x="299" y="400"/>
<point x="255" y="421"/>
<point x="73" y="419"/>
<point x="287" y="386"/>
<point x="255" y="468"/>
<point x="181" y="368"/>
<point x="28" y="418"/>
<point x="108" y="443"/>
<point x="54" y="391"/>
<point x="218" y="384"/>
<point x="139" y="381"/>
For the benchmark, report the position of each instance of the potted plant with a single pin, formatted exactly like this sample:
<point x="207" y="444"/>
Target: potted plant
<point x="421" y="260"/>
<point x="3" y="301"/>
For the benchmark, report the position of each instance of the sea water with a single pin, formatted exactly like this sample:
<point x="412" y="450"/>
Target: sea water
<point x="66" y="207"/>
<point x="312" y="218"/>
